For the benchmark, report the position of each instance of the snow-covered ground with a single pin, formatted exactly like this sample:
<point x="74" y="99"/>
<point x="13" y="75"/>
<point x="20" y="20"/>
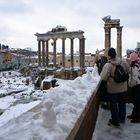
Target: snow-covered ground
<point x="127" y="131"/>
<point x="68" y="99"/>
<point x="23" y="112"/>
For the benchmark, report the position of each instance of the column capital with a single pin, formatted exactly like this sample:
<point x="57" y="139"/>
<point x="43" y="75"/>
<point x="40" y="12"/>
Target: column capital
<point x="119" y="29"/>
<point x="82" y="38"/>
<point x="54" y="39"/>
<point x="107" y="30"/>
<point x="72" y="38"/>
<point x="63" y="38"/>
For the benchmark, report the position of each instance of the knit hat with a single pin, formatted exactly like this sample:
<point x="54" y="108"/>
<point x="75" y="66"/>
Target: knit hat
<point x="133" y="56"/>
<point x="112" y="53"/>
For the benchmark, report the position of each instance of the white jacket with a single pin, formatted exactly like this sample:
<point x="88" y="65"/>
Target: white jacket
<point x="134" y="76"/>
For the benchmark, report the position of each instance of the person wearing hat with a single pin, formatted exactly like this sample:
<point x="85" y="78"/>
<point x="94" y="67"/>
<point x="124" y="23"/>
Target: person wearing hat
<point x="134" y="83"/>
<point x="116" y="91"/>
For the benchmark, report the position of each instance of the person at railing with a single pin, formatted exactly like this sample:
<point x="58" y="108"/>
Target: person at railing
<point x="134" y="83"/>
<point x="103" y="85"/>
<point x="116" y="91"/>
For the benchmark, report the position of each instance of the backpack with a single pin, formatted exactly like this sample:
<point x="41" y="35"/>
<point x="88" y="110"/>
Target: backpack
<point x="120" y="75"/>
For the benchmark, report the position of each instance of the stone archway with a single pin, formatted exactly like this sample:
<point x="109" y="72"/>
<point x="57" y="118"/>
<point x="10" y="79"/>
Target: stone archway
<point x="113" y="23"/>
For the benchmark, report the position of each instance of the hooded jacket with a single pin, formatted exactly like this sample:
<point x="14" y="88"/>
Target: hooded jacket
<point x="107" y="74"/>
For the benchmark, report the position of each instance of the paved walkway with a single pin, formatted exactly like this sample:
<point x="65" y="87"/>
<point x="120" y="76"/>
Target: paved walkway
<point x="127" y="131"/>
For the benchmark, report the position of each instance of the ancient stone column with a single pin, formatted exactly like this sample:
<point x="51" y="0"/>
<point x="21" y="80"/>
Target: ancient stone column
<point x="47" y="54"/>
<point x="39" y="52"/>
<point x="107" y="39"/>
<point x="80" y="52"/>
<point x="54" y="52"/>
<point x="43" y="53"/>
<point x="83" y="54"/>
<point x="63" y="52"/>
<point x="119" y="41"/>
<point x="72" y="60"/>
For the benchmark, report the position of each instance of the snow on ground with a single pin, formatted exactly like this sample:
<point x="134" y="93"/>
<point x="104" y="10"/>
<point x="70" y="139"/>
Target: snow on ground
<point x="18" y="110"/>
<point x="11" y="82"/>
<point x="69" y="100"/>
<point x="22" y="120"/>
<point x="127" y="131"/>
<point x="6" y="102"/>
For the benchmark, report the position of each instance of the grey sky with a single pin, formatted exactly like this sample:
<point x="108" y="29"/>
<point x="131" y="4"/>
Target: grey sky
<point x="21" y="19"/>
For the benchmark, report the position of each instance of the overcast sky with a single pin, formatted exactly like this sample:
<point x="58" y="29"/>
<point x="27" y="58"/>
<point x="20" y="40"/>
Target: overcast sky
<point x="21" y="19"/>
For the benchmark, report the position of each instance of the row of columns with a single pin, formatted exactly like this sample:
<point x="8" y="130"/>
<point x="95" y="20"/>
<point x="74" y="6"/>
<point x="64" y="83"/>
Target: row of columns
<point x="108" y="39"/>
<point x="43" y="52"/>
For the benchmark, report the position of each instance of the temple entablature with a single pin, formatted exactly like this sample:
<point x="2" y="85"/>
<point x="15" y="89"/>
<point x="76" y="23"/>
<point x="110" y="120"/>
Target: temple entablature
<point x="112" y="23"/>
<point x="60" y="35"/>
